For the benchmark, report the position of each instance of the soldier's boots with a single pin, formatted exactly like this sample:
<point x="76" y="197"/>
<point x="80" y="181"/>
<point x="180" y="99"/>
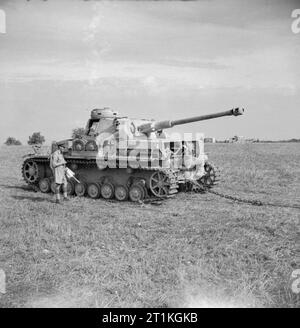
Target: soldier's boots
<point x="65" y="199"/>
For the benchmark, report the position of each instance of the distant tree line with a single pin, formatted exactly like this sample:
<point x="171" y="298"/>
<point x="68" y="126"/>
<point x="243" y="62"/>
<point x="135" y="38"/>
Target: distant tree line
<point x="34" y="139"/>
<point x="78" y="133"/>
<point x="10" y="141"/>
<point x="278" y="141"/>
<point x="258" y="140"/>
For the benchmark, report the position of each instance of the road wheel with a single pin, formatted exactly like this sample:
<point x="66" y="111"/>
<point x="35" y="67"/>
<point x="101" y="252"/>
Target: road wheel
<point x="107" y="191"/>
<point x="121" y="193"/>
<point x="159" y="184"/>
<point x="93" y="190"/>
<point x="70" y="188"/>
<point x="146" y="195"/>
<point x="80" y="189"/>
<point x="45" y="185"/>
<point x="91" y="146"/>
<point x="136" y="193"/>
<point x="78" y="145"/>
<point x="53" y="186"/>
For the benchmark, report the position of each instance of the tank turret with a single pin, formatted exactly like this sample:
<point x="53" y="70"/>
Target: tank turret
<point x="157" y="126"/>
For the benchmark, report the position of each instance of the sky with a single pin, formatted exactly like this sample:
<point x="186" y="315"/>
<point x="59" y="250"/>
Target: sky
<point x="59" y="59"/>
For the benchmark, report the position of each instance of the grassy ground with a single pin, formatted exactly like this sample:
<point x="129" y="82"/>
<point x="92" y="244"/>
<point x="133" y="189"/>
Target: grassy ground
<point x="193" y="250"/>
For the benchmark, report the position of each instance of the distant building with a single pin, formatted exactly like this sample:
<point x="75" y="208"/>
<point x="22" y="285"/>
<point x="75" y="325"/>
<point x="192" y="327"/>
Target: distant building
<point x="210" y="140"/>
<point x="238" y="139"/>
<point x="252" y="140"/>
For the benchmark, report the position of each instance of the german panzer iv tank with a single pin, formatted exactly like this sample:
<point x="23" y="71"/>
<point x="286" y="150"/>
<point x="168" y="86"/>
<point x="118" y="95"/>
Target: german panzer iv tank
<point x="118" y="157"/>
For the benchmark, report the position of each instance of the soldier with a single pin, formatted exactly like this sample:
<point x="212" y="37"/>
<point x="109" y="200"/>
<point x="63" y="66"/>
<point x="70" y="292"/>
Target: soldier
<point x="58" y="166"/>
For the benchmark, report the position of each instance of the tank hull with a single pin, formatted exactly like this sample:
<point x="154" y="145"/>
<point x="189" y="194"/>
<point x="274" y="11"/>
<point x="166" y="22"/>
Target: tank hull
<point x="36" y="171"/>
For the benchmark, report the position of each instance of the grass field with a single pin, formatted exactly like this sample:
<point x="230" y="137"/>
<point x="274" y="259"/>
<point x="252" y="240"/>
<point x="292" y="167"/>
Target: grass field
<point x="193" y="250"/>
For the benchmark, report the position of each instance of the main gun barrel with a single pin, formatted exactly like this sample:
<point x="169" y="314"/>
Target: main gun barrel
<point x="157" y="126"/>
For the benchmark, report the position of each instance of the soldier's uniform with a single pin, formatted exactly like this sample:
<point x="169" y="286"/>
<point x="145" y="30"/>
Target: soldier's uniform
<point x="58" y="166"/>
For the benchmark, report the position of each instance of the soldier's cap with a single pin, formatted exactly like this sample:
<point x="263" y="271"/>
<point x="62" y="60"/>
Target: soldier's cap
<point x="55" y="143"/>
<point x="54" y="146"/>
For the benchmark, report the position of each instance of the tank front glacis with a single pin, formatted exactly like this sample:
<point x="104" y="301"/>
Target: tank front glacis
<point x="128" y="158"/>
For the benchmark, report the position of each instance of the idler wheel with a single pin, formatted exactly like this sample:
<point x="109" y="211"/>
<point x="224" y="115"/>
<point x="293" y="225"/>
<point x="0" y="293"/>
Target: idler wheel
<point x="45" y="185"/>
<point x="136" y="193"/>
<point x="107" y="191"/>
<point x="209" y="179"/>
<point x="80" y="189"/>
<point x="210" y="171"/>
<point x="121" y="193"/>
<point x="93" y="190"/>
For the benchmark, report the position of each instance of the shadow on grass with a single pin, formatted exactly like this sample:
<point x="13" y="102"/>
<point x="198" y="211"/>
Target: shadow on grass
<point x="34" y="199"/>
<point x="24" y="187"/>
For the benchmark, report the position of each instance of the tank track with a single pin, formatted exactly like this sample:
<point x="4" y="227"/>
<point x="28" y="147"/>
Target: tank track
<point x="212" y="176"/>
<point x="208" y="181"/>
<point x="36" y="168"/>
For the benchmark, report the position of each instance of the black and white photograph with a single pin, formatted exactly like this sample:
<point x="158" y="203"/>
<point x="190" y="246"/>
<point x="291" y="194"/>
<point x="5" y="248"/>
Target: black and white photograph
<point x="149" y="156"/>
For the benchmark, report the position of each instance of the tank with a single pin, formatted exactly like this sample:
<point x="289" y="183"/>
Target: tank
<point x="124" y="158"/>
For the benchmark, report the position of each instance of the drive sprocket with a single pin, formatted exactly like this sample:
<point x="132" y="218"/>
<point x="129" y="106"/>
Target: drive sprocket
<point x="31" y="171"/>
